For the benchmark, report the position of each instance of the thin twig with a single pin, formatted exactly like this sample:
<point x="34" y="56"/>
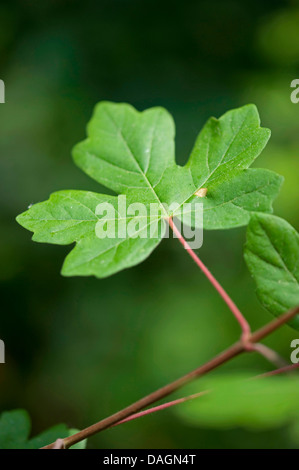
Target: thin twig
<point x="229" y="302"/>
<point x="269" y="354"/>
<point x="282" y="370"/>
<point x="286" y="368"/>
<point x="161" y="407"/>
<point x="141" y="414"/>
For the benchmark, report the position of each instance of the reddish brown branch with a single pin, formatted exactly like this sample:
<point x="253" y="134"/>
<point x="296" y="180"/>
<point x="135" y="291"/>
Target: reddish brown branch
<point x="233" y="351"/>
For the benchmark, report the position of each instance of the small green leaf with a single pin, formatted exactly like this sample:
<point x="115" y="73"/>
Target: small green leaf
<point x="132" y="153"/>
<point x="239" y="401"/>
<point x="15" y="427"/>
<point x="272" y="256"/>
<point x="59" y="431"/>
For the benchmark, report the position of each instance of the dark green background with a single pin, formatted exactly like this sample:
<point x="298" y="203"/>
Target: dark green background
<point x="78" y="349"/>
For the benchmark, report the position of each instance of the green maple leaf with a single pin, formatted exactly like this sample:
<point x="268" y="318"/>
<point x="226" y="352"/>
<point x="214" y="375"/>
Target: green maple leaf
<point x="132" y="153"/>
<point x="272" y="256"/>
<point x="15" y="427"/>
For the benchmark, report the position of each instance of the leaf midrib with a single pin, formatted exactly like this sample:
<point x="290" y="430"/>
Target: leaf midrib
<point x="135" y="161"/>
<point x="112" y="247"/>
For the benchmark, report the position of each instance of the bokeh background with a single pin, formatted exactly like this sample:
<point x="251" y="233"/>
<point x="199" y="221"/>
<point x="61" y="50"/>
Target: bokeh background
<point x="78" y="349"/>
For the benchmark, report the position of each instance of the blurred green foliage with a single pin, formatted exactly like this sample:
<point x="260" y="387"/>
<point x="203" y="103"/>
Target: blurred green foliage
<point x="78" y="349"/>
<point x="242" y="400"/>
